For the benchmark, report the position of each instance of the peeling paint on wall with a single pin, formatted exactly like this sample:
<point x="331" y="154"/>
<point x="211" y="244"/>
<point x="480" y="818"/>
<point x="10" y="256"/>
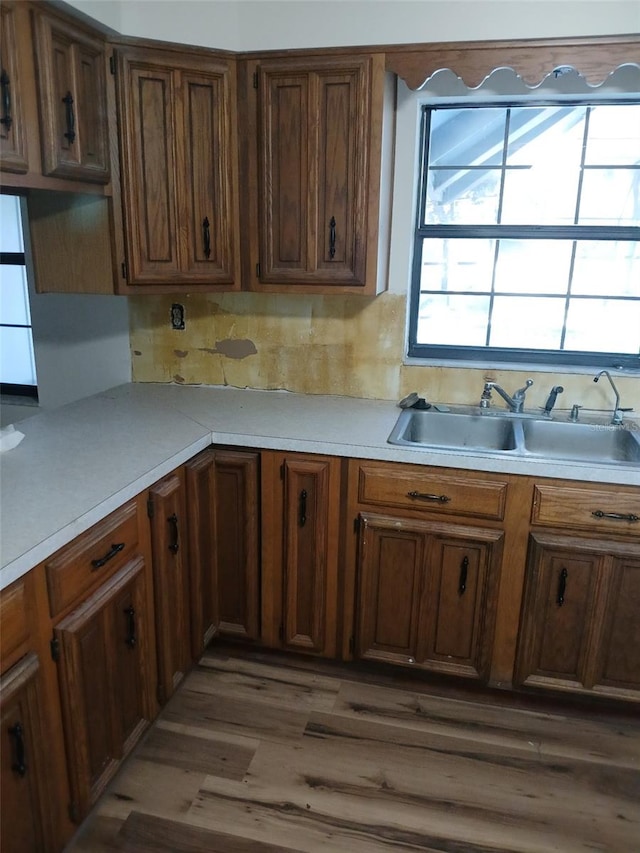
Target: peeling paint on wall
<point x="346" y="345"/>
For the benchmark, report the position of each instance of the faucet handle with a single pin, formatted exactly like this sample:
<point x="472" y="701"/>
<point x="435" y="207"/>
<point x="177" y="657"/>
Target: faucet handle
<point x="519" y="394"/>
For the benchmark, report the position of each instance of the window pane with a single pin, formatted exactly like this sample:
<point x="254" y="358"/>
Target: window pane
<point x="601" y="325"/>
<point x="457" y="264"/>
<point x="614" y="135"/>
<point x="10" y="224"/>
<point x="533" y="266"/>
<point x="460" y="320"/>
<point x="540" y="195"/>
<point x="540" y="136"/>
<point x="610" y="197"/>
<point x="531" y="323"/>
<point x="467" y="137"/>
<point x="462" y="196"/>
<point x="17" y="365"/>
<point x="14" y="299"/>
<point x="606" y="268"/>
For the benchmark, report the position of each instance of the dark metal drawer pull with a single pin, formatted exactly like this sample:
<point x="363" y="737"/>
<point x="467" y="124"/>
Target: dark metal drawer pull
<point x="6" y="119"/>
<point x="303" y="508"/>
<point x="19" y="766"/>
<point x="206" y="237"/>
<point x="332" y="238"/>
<point x="115" y="549"/>
<point x="174" y="545"/>
<point x="464" y="568"/>
<point x="421" y="496"/>
<point x="619" y="516"/>
<point x="562" y="587"/>
<point x="71" y="119"/>
<point x="130" y="613"/>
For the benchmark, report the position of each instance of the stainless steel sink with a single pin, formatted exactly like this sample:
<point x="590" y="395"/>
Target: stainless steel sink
<point x="453" y="430"/>
<point x="471" y="429"/>
<point x="588" y="442"/>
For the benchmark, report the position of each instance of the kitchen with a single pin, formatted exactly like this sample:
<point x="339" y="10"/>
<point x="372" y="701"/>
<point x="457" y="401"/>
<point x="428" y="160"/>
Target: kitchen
<point x="354" y="344"/>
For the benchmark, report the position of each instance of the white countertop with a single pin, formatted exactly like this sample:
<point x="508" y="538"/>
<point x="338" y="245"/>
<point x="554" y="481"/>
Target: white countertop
<point x="80" y="462"/>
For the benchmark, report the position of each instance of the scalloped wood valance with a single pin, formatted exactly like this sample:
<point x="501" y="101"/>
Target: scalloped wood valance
<point x="594" y="58"/>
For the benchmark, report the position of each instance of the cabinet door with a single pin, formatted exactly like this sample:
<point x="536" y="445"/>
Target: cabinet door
<point x="313" y="153"/>
<point x="103" y="647"/>
<point x="171" y="581"/>
<point x="146" y="91"/>
<point x="618" y="661"/>
<point x="209" y="193"/>
<point x="70" y="69"/>
<point x="458" y="607"/>
<point x="222" y="490"/>
<point x="25" y="822"/>
<point x="236" y="520"/>
<point x="558" y="612"/>
<point x="391" y="563"/>
<point x="13" y="141"/>
<point x="311" y="501"/>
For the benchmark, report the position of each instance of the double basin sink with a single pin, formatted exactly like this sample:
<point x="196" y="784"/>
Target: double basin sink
<point x="493" y="432"/>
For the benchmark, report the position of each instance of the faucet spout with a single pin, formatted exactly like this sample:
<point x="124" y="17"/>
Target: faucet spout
<point x="515" y="403"/>
<point x="617" y="410"/>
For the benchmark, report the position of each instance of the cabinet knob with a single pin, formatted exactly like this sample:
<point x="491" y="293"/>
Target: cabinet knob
<point x="19" y="765"/>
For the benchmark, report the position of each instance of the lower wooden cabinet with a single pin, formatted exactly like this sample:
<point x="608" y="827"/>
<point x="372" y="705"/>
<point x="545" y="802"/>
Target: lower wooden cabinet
<point x="300" y="546"/>
<point x="167" y="509"/>
<point x="580" y="628"/>
<point x="102" y="653"/>
<point x="25" y="818"/>
<point x="224" y="535"/>
<point x="427" y="594"/>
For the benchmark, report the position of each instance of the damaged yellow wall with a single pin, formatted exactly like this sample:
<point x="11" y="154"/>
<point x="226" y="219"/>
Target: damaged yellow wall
<point x="344" y="345"/>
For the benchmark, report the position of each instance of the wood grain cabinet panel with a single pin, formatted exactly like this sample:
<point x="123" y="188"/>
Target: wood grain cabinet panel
<point x="301" y="503"/>
<point x="579" y="627"/>
<point x="170" y="550"/>
<point x="14" y="36"/>
<point x="179" y="168"/>
<point x="224" y="513"/>
<point x="70" y="75"/>
<point x="319" y="150"/>
<point x="25" y="818"/>
<point x="427" y="594"/>
<point x="103" y="650"/>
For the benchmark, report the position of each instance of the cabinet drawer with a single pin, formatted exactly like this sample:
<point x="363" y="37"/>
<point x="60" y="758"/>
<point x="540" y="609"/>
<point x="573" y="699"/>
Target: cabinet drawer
<point x="14" y="634"/>
<point x="593" y="509"/>
<point x="91" y="558"/>
<point x="421" y="489"/>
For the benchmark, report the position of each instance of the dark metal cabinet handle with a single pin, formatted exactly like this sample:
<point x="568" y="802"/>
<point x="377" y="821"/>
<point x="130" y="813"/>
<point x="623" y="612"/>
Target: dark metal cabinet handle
<point x="303" y="508"/>
<point x="422" y="496"/>
<point x="130" y="639"/>
<point x="19" y="766"/>
<point x="174" y="545"/>
<point x="332" y="237"/>
<point x="464" y="568"/>
<point x="71" y="119"/>
<point x="206" y="237"/>
<point x="618" y="516"/>
<point x="562" y="587"/>
<point x="6" y="119"/>
<point x="115" y="549"/>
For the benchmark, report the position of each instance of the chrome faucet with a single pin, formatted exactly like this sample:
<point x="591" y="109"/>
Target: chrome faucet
<point x="515" y="403"/>
<point x="617" y="411"/>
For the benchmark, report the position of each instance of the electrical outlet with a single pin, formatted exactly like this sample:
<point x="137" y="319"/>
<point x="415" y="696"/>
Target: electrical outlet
<point x="177" y="317"/>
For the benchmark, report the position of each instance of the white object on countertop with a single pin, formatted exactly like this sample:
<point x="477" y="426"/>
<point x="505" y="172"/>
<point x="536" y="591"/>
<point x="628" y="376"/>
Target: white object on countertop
<point x="10" y="437"/>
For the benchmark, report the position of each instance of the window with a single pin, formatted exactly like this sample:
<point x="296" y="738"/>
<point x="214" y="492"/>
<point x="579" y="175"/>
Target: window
<point x="527" y="240"/>
<point x="17" y="363"/>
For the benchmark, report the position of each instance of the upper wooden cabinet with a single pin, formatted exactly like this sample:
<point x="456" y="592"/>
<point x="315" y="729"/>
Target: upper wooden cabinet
<point x="14" y="38"/>
<point x="179" y="168"/>
<point x="70" y="73"/>
<point x="319" y="155"/>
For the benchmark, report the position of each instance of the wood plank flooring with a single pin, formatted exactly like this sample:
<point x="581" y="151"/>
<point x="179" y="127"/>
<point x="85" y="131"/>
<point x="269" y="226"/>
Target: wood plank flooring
<point x="255" y="757"/>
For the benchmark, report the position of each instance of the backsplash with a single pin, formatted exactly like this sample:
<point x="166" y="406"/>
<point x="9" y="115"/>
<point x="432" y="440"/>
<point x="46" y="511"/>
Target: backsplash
<point x="344" y="345"/>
